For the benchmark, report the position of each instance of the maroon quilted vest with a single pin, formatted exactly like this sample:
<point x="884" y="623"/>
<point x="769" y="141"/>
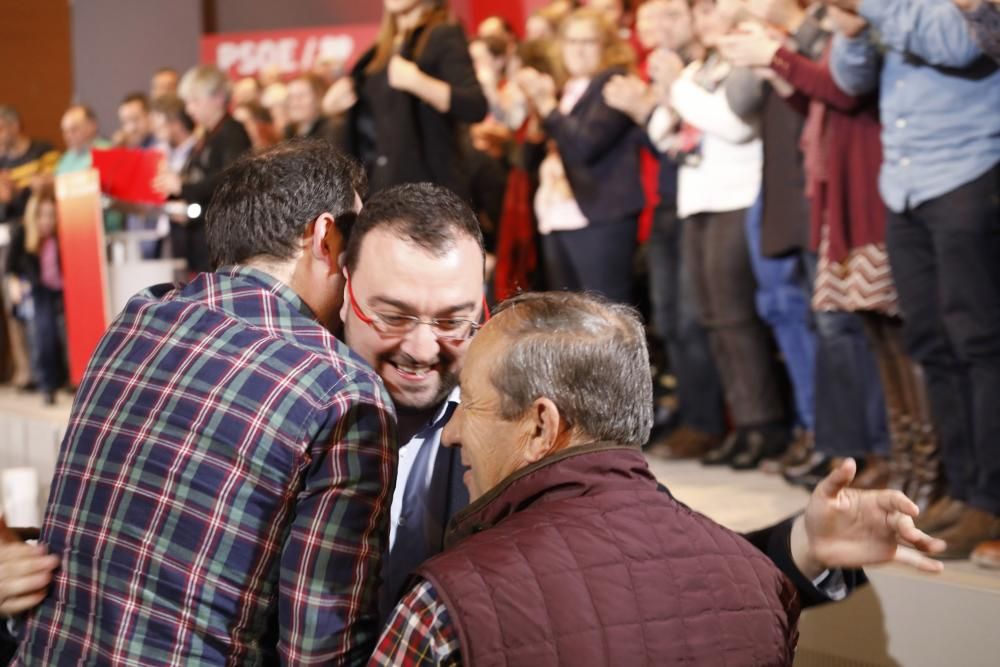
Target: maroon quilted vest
<point x="580" y="560"/>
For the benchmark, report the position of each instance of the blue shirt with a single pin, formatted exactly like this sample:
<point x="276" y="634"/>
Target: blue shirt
<point x="939" y="96"/>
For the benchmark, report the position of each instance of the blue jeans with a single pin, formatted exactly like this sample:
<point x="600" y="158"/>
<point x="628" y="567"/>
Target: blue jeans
<point x="48" y="348"/>
<point x="838" y="393"/>
<point x="783" y="302"/>
<point x="675" y="318"/>
<point x="850" y="406"/>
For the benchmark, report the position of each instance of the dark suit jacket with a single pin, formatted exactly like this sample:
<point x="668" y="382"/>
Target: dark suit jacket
<point x="414" y="142"/>
<point x="199" y="178"/>
<point x="210" y="156"/>
<point x="599" y="148"/>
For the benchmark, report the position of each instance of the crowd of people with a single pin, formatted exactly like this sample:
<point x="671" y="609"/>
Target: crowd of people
<point x="802" y="198"/>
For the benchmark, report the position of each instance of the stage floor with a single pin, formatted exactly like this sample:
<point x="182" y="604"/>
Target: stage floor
<point x="904" y="618"/>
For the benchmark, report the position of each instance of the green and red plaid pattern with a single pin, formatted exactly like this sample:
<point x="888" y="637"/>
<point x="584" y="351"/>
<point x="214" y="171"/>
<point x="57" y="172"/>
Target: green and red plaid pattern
<point x="419" y="633"/>
<point x="221" y="496"/>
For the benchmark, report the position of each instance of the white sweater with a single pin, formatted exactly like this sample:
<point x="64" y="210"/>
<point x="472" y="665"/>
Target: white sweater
<point x="728" y="175"/>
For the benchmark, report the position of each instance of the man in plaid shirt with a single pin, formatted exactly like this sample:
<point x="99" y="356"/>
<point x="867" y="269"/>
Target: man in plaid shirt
<point x="221" y="495"/>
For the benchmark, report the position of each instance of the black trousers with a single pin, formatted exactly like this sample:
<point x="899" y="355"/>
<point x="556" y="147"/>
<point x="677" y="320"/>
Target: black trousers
<point x="597" y="258"/>
<point x="945" y="257"/>
<point x="675" y="318"/>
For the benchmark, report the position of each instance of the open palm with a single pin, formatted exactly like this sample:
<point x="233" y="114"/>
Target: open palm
<point x="852" y="528"/>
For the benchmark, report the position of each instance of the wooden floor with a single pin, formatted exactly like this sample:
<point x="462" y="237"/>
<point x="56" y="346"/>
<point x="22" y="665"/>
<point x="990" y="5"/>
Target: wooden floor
<point x="903" y="618"/>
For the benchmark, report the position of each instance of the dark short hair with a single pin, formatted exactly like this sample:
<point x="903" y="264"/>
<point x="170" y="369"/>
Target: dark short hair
<point x="172" y="107"/>
<point x="430" y="216"/>
<point x="265" y="200"/>
<point x="585" y="354"/>
<point x="141" y="98"/>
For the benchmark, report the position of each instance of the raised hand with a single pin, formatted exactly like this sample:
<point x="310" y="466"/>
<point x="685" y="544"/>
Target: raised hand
<point x="848" y="528"/>
<point x="630" y="95"/>
<point x="403" y="74"/>
<point x="751" y="46"/>
<point x="339" y="97"/>
<point x="665" y="66"/>
<point x="540" y="89"/>
<point x="846" y="23"/>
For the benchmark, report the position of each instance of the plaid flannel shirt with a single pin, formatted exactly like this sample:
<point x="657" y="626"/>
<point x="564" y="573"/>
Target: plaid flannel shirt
<point x="221" y="495"/>
<point x="419" y="632"/>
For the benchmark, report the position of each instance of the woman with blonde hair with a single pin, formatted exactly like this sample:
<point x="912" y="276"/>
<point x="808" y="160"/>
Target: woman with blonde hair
<point x="410" y="97"/>
<point x="590" y="248"/>
<point x="41" y="265"/>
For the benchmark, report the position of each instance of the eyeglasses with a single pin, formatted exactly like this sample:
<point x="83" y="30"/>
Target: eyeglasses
<point x="391" y="324"/>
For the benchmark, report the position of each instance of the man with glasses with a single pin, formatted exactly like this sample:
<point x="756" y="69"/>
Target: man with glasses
<point x="414" y="267"/>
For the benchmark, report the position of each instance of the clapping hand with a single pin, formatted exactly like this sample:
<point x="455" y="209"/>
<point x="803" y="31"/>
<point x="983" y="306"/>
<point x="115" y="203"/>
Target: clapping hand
<point x="339" y="97"/>
<point x="404" y="74"/>
<point x="540" y="89"/>
<point x="631" y="96"/>
<point x="846" y="23"/>
<point x="751" y="46"/>
<point x="665" y="67"/>
<point x="167" y="183"/>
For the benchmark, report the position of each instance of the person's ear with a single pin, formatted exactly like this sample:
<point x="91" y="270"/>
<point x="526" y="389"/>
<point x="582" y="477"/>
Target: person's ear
<point x="547" y="430"/>
<point x="326" y="242"/>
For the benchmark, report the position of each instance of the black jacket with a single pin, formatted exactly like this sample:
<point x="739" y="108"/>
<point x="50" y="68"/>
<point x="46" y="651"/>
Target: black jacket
<point x="401" y="139"/>
<point x="599" y="148"/>
<point x="210" y="156"/>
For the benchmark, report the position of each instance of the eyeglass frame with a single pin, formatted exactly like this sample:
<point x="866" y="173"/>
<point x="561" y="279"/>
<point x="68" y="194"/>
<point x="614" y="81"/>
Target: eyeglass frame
<point x="416" y="321"/>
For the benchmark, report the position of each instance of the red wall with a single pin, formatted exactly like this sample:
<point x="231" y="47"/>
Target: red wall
<point x="515" y="11"/>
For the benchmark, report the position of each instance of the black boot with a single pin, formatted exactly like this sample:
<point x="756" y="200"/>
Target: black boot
<point x="761" y="442"/>
<point x="724" y="453"/>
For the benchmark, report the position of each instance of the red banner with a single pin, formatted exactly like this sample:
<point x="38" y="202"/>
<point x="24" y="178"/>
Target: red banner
<point x="81" y="236"/>
<point x="290" y="51"/>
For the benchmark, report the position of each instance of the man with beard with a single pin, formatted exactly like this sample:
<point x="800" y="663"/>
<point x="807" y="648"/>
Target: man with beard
<point x="414" y="268"/>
